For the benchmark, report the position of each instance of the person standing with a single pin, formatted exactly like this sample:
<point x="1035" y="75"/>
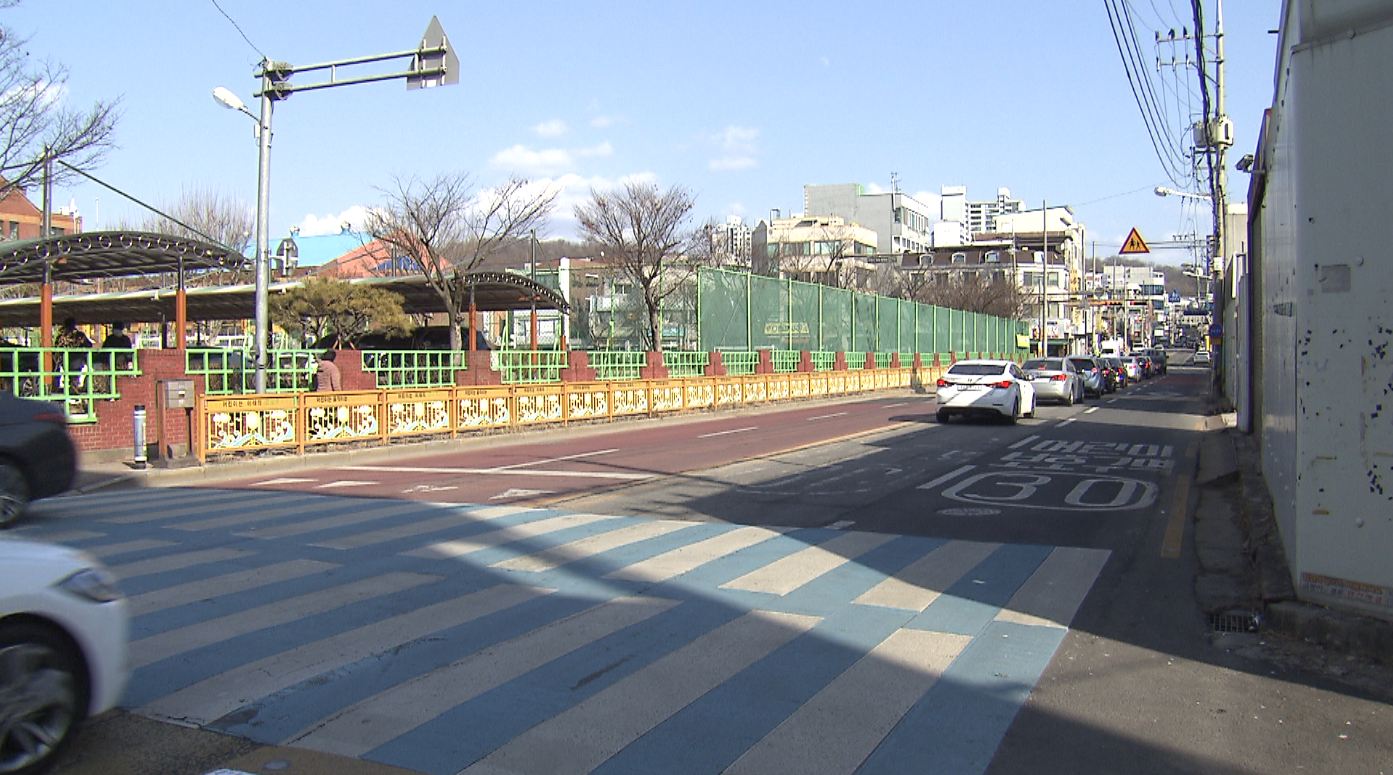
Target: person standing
<point x="71" y="364"/>
<point x="327" y="376"/>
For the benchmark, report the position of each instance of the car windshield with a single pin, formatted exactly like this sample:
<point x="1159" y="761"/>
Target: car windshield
<point x="975" y="369"/>
<point x="1044" y="363"/>
<point x="1083" y="363"/>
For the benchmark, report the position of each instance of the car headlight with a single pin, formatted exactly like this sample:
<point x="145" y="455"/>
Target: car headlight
<point x="94" y="584"/>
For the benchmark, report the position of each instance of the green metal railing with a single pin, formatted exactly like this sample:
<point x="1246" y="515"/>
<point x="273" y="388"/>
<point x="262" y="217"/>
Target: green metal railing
<point x="786" y="361"/>
<point x="906" y="359"/>
<point x="614" y="365"/>
<point x="529" y="367"/>
<point x="824" y="360"/>
<point x="684" y="363"/>
<point x="855" y="359"/>
<point x="414" y="368"/>
<point x="230" y="372"/>
<point x="739" y="362"/>
<point x="73" y="377"/>
<point x="883" y="360"/>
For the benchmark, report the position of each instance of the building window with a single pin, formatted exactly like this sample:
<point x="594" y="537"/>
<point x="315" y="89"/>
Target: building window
<point x="14" y="229"/>
<point x="992" y="257"/>
<point x="959" y="258"/>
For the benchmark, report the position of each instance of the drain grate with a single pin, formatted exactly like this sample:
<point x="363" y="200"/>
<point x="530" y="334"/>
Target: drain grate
<point x="1235" y="621"/>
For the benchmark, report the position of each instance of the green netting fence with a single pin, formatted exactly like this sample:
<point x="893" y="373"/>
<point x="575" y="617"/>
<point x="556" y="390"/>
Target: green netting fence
<point x="740" y="311"/>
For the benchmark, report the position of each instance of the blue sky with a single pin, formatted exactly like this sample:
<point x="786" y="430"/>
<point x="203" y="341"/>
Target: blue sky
<point x="741" y="102"/>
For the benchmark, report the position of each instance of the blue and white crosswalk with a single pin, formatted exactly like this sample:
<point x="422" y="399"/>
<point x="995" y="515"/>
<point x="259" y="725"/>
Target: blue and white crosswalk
<point x="450" y="638"/>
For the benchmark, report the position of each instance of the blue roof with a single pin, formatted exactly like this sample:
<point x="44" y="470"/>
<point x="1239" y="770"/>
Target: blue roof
<point x="320" y="249"/>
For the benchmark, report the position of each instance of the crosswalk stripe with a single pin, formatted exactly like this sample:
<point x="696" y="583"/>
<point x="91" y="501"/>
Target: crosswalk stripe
<point x="304" y="505"/>
<point x="876" y="692"/>
<point x="679" y="561"/>
<point x="125" y="547"/>
<point x="583" y="737"/>
<point x="382" y="510"/>
<point x="791" y="572"/>
<point x="226" y="584"/>
<point x="505" y="535"/>
<point x="550" y="558"/>
<point x="219" y="695"/>
<point x="454" y="518"/>
<point x="920" y="583"/>
<point x="171" y="562"/>
<point x="152" y="649"/>
<point x="63" y="537"/>
<point x="379" y="719"/>
<point x="1053" y="594"/>
<point x="165" y="508"/>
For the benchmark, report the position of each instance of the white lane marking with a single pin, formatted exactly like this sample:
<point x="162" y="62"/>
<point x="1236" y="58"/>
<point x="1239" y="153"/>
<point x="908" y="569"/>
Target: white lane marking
<point x="540" y="461"/>
<point x="515" y="492"/>
<point x="1112" y="400"/>
<point x="1063" y="423"/>
<point x="842" y="524"/>
<point x="1024" y="441"/>
<point x="727" y="433"/>
<point x="892" y="406"/>
<point x="343" y="483"/>
<point x="670" y="565"/>
<point x="487" y="471"/>
<point x="1091" y="410"/>
<point x="946" y="477"/>
<point x="826" y="416"/>
<point x="283" y="480"/>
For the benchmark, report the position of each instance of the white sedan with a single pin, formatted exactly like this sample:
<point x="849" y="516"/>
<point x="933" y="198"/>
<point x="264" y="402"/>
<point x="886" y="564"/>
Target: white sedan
<point x="993" y="388"/>
<point x="63" y="630"/>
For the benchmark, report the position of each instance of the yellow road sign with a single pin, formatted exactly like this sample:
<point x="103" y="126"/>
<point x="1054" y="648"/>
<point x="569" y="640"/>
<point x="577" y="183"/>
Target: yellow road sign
<point x="1134" y="243"/>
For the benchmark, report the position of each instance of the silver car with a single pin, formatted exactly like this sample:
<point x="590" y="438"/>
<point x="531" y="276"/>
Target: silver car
<point x="1054" y="379"/>
<point x="1091" y="372"/>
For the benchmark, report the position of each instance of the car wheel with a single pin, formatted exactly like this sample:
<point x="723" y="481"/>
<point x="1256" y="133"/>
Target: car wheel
<point x="1015" y="412"/>
<point x="1030" y="413"/>
<point x="14" y="493"/>
<point x="1069" y="401"/>
<point x="42" y="696"/>
<point x="942" y="416"/>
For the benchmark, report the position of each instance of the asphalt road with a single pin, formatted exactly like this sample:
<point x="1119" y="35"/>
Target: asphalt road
<point x="822" y="587"/>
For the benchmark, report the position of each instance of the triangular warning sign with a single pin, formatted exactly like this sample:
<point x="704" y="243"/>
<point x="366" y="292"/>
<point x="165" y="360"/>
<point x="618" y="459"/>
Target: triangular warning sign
<point x="1134" y="244"/>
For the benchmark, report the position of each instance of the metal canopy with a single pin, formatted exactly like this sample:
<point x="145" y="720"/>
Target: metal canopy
<point x="493" y="291"/>
<point x="102" y="254"/>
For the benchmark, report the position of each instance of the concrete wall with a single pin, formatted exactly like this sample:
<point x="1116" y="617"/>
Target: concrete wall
<point x="1326" y="326"/>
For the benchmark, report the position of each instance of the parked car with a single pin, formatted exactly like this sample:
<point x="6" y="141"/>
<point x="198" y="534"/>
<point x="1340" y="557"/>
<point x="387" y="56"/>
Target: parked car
<point x="1090" y="370"/>
<point x="1148" y="369"/>
<point x="1201" y="358"/>
<point x="983" y="387"/>
<point x="1054" y="379"/>
<point x="1158" y="358"/>
<point x="63" y="631"/>
<point x="37" y="457"/>
<point x="1117" y="370"/>
<point x="1132" y="367"/>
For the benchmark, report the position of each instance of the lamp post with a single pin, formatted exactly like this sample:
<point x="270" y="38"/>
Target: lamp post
<point x="227" y="99"/>
<point x="433" y="63"/>
<point x="1044" y="269"/>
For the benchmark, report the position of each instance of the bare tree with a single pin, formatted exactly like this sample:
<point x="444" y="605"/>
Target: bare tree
<point x="32" y="117"/>
<point x="211" y="214"/>
<point x="444" y="228"/>
<point x="646" y="231"/>
<point x="964" y="291"/>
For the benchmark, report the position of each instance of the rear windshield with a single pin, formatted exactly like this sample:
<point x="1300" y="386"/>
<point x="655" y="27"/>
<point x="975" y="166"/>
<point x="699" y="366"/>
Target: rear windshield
<point x="1083" y="363"/>
<point x="975" y="369"/>
<point x="1044" y="363"/>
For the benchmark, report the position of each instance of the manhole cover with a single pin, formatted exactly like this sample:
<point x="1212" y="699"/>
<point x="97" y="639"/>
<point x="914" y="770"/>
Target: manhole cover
<point x="969" y="511"/>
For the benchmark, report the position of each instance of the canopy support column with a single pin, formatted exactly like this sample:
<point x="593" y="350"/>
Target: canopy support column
<point x="181" y="312"/>
<point x="473" y="321"/>
<point x="46" y="319"/>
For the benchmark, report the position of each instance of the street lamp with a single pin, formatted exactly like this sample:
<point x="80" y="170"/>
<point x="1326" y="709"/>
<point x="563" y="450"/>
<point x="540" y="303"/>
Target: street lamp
<point x="227" y="99"/>
<point x="1164" y="191"/>
<point x="433" y="63"/>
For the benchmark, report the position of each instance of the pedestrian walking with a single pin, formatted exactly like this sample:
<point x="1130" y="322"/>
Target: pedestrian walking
<point x="328" y="376"/>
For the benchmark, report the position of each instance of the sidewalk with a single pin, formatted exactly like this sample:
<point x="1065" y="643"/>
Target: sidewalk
<point x="1243" y="583"/>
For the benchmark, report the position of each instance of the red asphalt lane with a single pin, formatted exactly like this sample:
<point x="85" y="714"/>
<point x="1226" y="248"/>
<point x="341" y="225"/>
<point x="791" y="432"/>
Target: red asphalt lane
<point x="560" y="466"/>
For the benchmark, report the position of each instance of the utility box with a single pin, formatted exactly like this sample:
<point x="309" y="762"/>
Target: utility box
<point x="178" y="393"/>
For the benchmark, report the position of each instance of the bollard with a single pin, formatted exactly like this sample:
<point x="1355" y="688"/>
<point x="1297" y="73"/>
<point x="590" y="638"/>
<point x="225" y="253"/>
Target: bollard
<point x="138" y="432"/>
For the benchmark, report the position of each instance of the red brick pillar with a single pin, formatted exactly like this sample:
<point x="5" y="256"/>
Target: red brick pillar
<point x="479" y="370"/>
<point x="577" y="367"/>
<point x="765" y="365"/>
<point x="716" y="366"/>
<point x="805" y="361"/>
<point x="655" y="369"/>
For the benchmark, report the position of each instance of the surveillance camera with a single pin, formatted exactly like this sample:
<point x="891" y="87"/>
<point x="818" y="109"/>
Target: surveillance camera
<point x="1245" y="164"/>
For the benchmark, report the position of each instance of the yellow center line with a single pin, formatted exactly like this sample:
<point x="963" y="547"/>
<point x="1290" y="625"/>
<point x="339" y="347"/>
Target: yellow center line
<point x="1180" y="507"/>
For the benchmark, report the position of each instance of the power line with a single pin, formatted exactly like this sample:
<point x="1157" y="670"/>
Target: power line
<point x="1166" y="163"/>
<point x="238" y="27"/>
<point x="1144" y="77"/>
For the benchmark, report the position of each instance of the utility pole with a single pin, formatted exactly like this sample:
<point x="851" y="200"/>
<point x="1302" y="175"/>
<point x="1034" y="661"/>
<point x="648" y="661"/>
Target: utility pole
<point x="1044" y="269"/>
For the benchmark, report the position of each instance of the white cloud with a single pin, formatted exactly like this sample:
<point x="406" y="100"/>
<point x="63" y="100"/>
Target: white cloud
<point x="551" y="128"/>
<point x="874" y="188"/>
<point x="736" y="208"/>
<point x="732" y="163"/>
<point x="738" y="149"/>
<point x="825" y="62"/>
<point x="547" y="161"/>
<point x="604" y="122"/>
<point x="315" y="225"/>
<point x="521" y="158"/>
<point x="603" y="150"/>
<point x="572" y="189"/>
